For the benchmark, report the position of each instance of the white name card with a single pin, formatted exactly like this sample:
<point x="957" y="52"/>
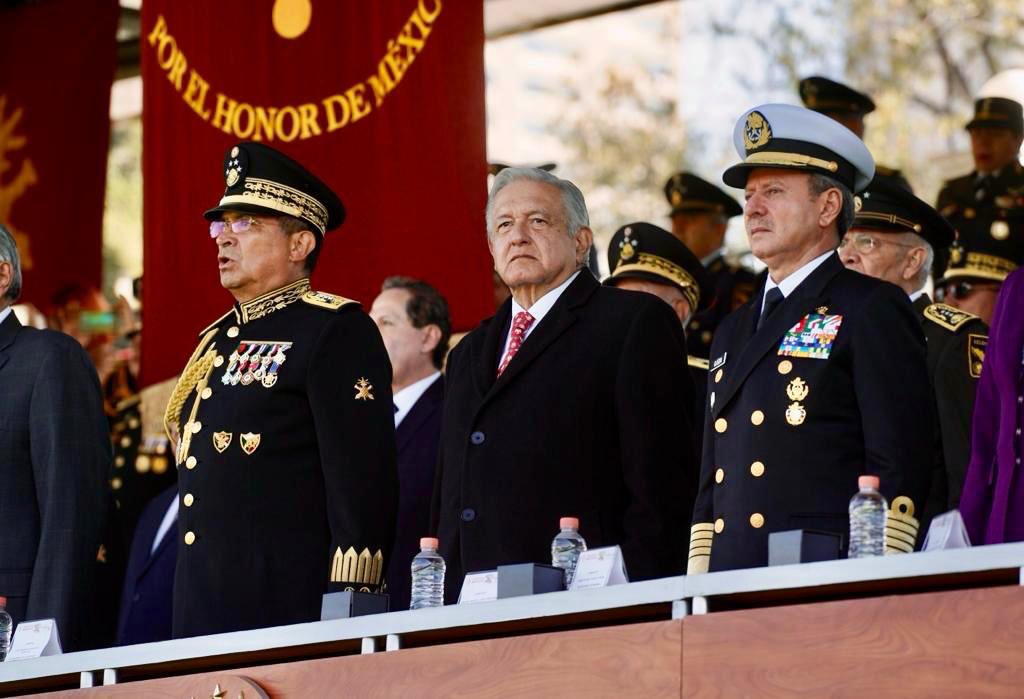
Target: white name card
<point x="479" y="587"/>
<point x="600" y="568"/>
<point x="35" y="639"/>
<point x="947" y="531"/>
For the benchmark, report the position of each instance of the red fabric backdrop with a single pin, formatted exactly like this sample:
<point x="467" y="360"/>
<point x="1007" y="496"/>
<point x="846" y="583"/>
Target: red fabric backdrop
<point x="57" y="62"/>
<point x="382" y="100"/>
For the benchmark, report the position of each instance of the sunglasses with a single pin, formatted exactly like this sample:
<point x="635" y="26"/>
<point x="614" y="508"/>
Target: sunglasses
<point x="239" y="225"/>
<point x="961" y="290"/>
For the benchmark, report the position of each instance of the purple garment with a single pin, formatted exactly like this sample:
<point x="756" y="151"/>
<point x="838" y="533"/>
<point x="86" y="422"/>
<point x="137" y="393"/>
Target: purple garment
<point x="992" y="503"/>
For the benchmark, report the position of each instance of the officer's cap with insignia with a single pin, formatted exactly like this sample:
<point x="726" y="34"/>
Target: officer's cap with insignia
<point x="687" y="193"/>
<point x="997" y="113"/>
<point x="645" y="251"/>
<point x="261" y="180"/>
<point x="794" y="138"/>
<point x="888" y="207"/>
<point x="977" y="262"/>
<point x="830" y="97"/>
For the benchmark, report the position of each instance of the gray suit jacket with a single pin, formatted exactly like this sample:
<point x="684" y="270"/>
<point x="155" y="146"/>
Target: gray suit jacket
<point x="54" y="461"/>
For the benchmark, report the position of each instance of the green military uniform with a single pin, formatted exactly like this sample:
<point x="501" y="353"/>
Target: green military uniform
<point x="284" y="430"/>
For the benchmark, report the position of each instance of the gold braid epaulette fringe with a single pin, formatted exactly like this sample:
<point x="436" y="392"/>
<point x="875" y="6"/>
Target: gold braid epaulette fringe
<point x="360" y="571"/>
<point x="190" y="376"/>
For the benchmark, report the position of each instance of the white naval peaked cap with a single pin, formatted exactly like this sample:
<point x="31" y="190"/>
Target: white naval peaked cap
<point x="790" y="137"/>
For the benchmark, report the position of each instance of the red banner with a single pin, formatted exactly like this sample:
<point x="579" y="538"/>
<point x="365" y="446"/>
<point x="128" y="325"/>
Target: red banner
<point x="57" y="62"/>
<point x="384" y="101"/>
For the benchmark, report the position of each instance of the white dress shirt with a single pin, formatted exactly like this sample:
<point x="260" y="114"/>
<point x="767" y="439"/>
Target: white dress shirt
<point x="407" y="397"/>
<point x="4" y="313"/>
<point x="916" y="295"/>
<point x="538" y="310"/>
<point x="790" y="283"/>
<point x="165" y="524"/>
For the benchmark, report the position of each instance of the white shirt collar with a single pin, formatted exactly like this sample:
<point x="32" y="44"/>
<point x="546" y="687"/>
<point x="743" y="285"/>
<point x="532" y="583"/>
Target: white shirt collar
<point x="539" y="309"/>
<point x="170" y="517"/>
<point x="706" y="261"/>
<point x="4" y="313"/>
<point x="407" y="397"/>
<point x="916" y="295"/>
<point x="790" y="283"/>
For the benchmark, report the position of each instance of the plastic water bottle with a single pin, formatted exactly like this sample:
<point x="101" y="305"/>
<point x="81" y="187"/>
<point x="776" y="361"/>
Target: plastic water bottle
<point x="5" y="629"/>
<point x="867" y="520"/>
<point x="567" y="547"/>
<point x="427" y="576"/>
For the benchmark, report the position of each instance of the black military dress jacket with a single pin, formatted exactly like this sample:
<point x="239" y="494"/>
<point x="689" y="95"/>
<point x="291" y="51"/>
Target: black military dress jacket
<point x="786" y="436"/>
<point x="731" y="288"/>
<point x="956" y="351"/>
<point x="591" y="419"/>
<point x="286" y="451"/>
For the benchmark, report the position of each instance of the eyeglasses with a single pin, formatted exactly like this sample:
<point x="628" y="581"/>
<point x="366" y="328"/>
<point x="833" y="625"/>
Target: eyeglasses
<point x="239" y="225"/>
<point x="961" y="290"/>
<point x="866" y="244"/>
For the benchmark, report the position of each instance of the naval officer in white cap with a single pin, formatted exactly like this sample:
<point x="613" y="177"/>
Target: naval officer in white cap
<point x="821" y="377"/>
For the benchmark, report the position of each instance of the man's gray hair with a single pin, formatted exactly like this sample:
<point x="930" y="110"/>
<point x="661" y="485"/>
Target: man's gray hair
<point x="9" y="253"/>
<point x="575" y="206"/>
<point x="819" y="184"/>
<point x="929" y="260"/>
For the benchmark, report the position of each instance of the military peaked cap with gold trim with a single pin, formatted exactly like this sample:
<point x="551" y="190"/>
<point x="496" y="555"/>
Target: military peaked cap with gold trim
<point x="997" y="113"/>
<point x="831" y="97"/>
<point x="644" y="251"/>
<point x="887" y="207"/>
<point x="789" y="137"/>
<point x="688" y="193"/>
<point x="261" y="180"/>
<point x="977" y="264"/>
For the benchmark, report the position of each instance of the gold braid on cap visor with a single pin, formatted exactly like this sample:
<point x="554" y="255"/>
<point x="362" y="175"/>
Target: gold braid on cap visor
<point x="667" y="269"/>
<point x="278" y="197"/>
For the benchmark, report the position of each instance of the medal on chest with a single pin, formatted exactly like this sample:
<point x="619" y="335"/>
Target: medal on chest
<point x="812" y="337"/>
<point x="255" y="361"/>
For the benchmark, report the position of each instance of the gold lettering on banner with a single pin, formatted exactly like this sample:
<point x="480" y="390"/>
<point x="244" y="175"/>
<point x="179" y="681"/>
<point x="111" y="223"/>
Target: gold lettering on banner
<point x="12" y="188"/>
<point x="245" y="121"/>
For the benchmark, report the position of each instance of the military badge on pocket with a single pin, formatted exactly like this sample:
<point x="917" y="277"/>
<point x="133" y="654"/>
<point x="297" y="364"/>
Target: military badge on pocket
<point x="812" y="337"/>
<point x="255" y="361"/>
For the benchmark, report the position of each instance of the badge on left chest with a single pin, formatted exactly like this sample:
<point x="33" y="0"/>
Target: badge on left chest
<point x="812" y="337"/>
<point x="256" y="361"/>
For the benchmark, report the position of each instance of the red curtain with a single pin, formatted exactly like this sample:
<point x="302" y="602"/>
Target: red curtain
<point x="57" y="62"/>
<point x="382" y="100"/>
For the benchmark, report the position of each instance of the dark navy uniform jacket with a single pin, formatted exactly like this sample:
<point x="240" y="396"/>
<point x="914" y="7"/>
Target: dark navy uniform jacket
<point x="287" y="470"/>
<point x="786" y="436"/>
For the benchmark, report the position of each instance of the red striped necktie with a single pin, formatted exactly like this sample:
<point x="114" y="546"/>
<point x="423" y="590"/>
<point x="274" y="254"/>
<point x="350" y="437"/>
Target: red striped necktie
<point x="520" y="324"/>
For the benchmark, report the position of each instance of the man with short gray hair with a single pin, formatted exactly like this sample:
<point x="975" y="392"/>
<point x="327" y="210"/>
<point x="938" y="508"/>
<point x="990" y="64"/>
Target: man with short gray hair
<point x="54" y="461"/>
<point x="574" y="400"/>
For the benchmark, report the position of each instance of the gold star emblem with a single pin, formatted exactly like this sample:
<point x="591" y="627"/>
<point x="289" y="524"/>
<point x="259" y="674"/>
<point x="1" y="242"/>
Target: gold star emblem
<point x="363" y="389"/>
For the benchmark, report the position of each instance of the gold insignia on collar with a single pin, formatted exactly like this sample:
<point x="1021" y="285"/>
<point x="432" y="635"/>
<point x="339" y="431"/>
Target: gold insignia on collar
<point x="821" y="309"/>
<point x="221" y="441"/>
<point x="363" y="389"/>
<point x="797" y="390"/>
<point x="249" y="442"/>
<point x="757" y="132"/>
<point x="1000" y="230"/>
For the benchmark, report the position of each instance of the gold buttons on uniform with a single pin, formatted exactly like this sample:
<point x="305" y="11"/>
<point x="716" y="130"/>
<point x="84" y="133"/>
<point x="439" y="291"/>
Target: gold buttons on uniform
<point x="218" y="361"/>
<point x="126" y="441"/>
<point x="721" y="425"/>
<point x="785" y="366"/>
<point x="190" y="463"/>
<point x="196" y="426"/>
<point x="188" y="499"/>
<point x="233" y="331"/>
<point x="133" y="423"/>
<point x="757" y="520"/>
<point x="757" y="469"/>
<point x="719" y="475"/>
<point x="718" y="375"/>
<point x="115" y="483"/>
<point x="142" y="463"/>
<point x="719" y="525"/>
<point x="190" y="538"/>
<point x="756" y="418"/>
<point x="207" y="392"/>
<point x="118" y="461"/>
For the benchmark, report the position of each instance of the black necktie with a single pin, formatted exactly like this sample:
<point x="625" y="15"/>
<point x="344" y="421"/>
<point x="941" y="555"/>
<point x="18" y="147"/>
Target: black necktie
<point x="771" y="301"/>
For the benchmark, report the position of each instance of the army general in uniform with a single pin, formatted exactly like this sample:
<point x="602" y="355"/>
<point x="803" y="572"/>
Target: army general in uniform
<point x="282" y="419"/>
<point x="821" y="377"/>
<point x="894" y="237"/>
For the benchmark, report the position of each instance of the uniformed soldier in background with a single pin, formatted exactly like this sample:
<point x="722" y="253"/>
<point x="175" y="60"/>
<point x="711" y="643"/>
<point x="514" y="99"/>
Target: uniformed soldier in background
<point x="282" y="419"/>
<point x="644" y="257"/>
<point x="986" y="206"/>
<point x="700" y="215"/>
<point x="849" y="107"/>
<point x="821" y="377"/>
<point x="894" y="236"/>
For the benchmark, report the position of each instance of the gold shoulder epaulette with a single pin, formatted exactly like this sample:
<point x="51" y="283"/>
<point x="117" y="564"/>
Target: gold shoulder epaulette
<point x="214" y="324"/>
<point x="697" y="362"/>
<point x="946" y="316"/>
<point x="322" y="299"/>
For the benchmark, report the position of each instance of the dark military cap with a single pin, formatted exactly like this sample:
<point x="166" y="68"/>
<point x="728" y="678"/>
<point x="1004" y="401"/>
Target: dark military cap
<point x="977" y="262"/>
<point x="790" y="137"/>
<point x="997" y="113"/>
<point x="645" y="251"/>
<point x="828" y="96"/>
<point x="887" y="207"/>
<point x="261" y="180"/>
<point x="686" y="192"/>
